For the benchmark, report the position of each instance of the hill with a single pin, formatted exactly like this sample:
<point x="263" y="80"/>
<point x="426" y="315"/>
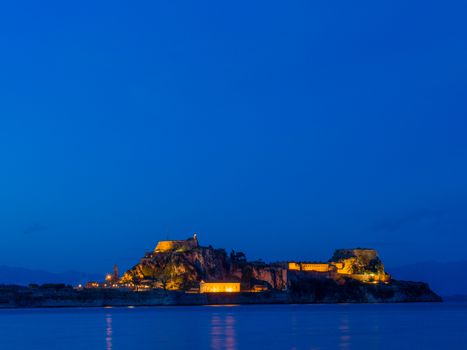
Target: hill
<point x="23" y="276"/>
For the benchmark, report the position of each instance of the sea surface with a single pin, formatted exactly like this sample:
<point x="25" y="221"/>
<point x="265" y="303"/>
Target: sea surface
<point x="347" y="326"/>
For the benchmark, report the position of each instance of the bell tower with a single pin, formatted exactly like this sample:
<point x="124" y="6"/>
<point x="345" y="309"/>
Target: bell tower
<point x="115" y="276"/>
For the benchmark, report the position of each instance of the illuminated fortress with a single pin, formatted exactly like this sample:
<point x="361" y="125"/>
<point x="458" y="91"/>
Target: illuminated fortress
<point x="360" y="264"/>
<point x="188" y="266"/>
<point x="177" y="245"/>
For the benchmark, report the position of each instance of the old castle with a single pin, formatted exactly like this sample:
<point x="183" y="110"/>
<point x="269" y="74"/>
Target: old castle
<point x="177" y="245"/>
<point x="185" y="265"/>
<point x="360" y="264"/>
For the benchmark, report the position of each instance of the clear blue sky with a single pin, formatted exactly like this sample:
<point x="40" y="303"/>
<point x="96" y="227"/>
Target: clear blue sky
<point x="283" y="129"/>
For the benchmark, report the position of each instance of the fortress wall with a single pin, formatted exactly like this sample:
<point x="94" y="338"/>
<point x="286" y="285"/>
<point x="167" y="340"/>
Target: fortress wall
<point x="345" y="267"/>
<point x="294" y="266"/>
<point x="319" y="267"/>
<point x="165" y="246"/>
<point x="316" y="267"/>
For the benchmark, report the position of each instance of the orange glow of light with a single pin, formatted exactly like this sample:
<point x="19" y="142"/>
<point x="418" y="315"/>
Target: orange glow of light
<point x="294" y="266"/>
<point x="219" y="287"/>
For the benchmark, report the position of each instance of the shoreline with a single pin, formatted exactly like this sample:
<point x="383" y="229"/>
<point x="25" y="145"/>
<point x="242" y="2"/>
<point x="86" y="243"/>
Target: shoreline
<point x="121" y="307"/>
<point x="16" y="297"/>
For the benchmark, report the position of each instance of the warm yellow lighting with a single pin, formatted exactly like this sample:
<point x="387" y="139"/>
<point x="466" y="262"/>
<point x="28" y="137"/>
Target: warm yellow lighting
<point x="259" y="288"/>
<point x="219" y="287"/>
<point x="315" y="267"/>
<point x="294" y="266"/>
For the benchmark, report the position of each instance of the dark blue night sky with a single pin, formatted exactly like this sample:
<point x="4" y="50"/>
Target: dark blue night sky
<point x="282" y="129"/>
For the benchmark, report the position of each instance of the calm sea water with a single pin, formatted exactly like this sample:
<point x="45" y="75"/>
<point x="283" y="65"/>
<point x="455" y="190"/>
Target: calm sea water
<point x="394" y="326"/>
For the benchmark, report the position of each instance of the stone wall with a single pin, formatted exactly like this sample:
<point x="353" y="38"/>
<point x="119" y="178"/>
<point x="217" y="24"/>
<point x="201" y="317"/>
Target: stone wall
<point x="165" y="246"/>
<point x="315" y="267"/>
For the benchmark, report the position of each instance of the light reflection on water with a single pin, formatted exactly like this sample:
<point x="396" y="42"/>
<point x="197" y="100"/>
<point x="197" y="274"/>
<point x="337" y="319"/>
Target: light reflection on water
<point x="223" y="332"/>
<point x="344" y="328"/>
<point x="108" y="332"/>
<point x="290" y="327"/>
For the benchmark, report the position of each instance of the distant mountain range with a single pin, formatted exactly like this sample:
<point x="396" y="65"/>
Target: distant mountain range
<point x="23" y="276"/>
<point x="446" y="279"/>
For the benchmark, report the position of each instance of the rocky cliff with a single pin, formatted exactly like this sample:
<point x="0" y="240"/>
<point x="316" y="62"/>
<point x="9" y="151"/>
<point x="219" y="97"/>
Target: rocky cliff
<point x="182" y="270"/>
<point x="307" y="289"/>
<point x="359" y="260"/>
<point x="355" y="275"/>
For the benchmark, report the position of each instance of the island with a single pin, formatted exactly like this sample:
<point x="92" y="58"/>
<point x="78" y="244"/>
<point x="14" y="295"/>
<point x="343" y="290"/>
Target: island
<point x="183" y="272"/>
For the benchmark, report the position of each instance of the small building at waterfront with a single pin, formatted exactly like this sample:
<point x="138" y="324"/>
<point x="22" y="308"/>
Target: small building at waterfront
<point x="219" y="287"/>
